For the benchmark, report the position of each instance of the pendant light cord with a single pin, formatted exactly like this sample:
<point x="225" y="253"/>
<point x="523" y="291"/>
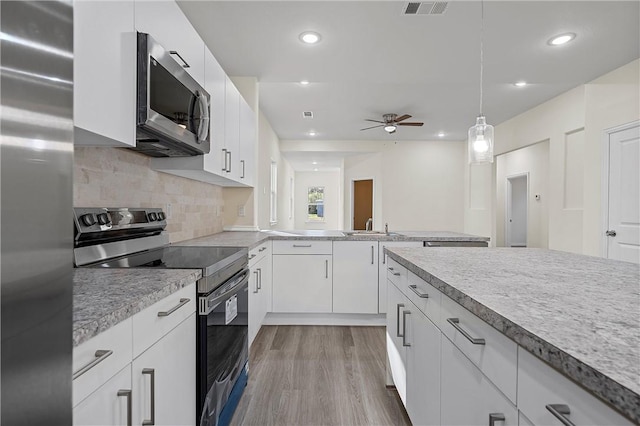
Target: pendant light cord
<point x="481" y="50"/>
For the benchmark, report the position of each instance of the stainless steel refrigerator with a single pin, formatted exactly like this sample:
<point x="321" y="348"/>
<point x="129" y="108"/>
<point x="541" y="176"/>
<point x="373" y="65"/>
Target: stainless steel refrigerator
<point x="36" y="165"/>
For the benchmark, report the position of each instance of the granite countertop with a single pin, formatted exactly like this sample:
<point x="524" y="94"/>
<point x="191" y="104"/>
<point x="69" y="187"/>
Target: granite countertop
<point x="579" y="314"/>
<point x="255" y="238"/>
<point x="104" y="297"/>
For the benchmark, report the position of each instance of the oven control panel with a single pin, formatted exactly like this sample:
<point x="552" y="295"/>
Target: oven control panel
<point x="105" y="219"/>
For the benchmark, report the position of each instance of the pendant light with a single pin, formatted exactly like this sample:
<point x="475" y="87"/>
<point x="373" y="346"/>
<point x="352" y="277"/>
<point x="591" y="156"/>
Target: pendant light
<point x="481" y="135"/>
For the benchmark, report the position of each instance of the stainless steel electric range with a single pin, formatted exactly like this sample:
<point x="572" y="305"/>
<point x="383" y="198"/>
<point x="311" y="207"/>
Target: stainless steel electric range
<point x="136" y="238"/>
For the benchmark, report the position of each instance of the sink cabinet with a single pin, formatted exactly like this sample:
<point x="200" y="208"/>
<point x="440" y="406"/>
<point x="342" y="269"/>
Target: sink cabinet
<point x="355" y="277"/>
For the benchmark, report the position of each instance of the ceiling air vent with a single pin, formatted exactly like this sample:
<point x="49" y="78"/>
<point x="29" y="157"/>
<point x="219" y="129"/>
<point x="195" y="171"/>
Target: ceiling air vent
<point x="425" y="8"/>
<point x="307" y="114"/>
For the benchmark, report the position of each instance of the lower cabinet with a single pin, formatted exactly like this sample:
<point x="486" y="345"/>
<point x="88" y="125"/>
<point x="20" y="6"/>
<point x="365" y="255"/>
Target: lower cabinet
<point x="164" y="381"/>
<point x="355" y="277"/>
<point x="382" y="269"/>
<point x="302" y="283"/>
<point x="259" y="287"/>
<point x="153" y="384"/>
<point x="109" y="404"/>
<point x="395" y="348"/>
<point x="468" y="397"/>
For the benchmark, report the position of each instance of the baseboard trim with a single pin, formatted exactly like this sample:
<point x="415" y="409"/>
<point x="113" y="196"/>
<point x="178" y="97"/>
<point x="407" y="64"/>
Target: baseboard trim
<point x="273" y="318"/>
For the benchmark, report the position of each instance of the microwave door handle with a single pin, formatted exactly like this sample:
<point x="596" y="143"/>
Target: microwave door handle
<point x="203" y="130"/>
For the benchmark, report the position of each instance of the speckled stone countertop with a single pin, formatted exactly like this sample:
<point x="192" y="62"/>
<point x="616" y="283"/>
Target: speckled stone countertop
<point x="253" y="239"/>
<point x="104" y="297"/>
<point x="580" y="314"/>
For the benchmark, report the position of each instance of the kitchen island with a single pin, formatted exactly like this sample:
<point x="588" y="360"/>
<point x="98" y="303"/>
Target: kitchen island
<point x="578" y="314"/>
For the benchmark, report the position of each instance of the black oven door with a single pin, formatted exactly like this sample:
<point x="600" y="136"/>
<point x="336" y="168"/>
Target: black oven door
<point x="172" y="108"/>
<point x="223" y="350"/>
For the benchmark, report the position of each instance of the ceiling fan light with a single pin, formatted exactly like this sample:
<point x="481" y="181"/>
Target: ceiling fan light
<point x="390" y="128"/>
<point x="481" y="142"/>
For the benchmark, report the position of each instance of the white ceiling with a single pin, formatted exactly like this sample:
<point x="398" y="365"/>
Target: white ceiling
<point x="372" y="59"/>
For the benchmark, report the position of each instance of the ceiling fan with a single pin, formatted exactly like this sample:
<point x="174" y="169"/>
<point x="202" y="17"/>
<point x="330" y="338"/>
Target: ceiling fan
<point x="391" y="122"/>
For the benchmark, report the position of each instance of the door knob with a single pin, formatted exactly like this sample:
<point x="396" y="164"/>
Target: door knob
<point x="610" y="233"/>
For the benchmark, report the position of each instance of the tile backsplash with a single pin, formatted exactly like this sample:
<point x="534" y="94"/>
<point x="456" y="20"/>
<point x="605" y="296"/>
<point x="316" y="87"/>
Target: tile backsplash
<point x="112" y="177"/>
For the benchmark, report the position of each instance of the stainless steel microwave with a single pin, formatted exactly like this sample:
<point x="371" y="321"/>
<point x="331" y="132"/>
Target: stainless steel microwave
<point x="172" y="108"/>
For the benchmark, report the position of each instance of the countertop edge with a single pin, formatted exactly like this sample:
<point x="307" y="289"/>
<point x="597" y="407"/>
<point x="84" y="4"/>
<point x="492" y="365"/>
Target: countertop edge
<point x="90" y="329"/>
<point x="619" y="397"/>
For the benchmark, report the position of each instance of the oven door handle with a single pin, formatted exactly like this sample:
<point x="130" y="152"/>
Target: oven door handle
<point x="209" y="303"/>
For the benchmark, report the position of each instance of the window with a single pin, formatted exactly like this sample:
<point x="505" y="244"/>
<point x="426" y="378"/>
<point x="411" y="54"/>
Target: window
<point x="273" y="201"/>
<point x="315" y="206"/>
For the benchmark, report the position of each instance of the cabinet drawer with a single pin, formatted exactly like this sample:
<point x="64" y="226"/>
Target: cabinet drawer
<point x="497" y="358"/>
<point x="258" y="253"/>
<point x="425" y="296"/>
<point x="100" y="357"/>
<point x="150" y="325"/>
<point x="396" y="273"/>
<point x="540" y="385"/>
<point x="302" y="247"/>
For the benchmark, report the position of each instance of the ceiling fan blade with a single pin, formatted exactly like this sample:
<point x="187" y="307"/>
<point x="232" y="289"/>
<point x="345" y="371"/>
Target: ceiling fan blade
<point x="402" y="117"/>
<point x="373" y="127"/>
<point x="375" y="121"/>
<point x="410" y="124"/>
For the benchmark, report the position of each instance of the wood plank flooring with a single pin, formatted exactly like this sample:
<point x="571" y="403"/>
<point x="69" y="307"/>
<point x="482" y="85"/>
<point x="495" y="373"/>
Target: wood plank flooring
<point x="317" y="375"/>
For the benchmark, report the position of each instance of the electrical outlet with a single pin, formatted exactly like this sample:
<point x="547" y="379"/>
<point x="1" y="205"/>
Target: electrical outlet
<point x="241" y="211"/>
<point x="167" y="210"/>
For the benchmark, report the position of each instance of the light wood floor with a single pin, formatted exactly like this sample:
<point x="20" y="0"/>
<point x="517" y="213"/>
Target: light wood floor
<point x="312" y="375"/>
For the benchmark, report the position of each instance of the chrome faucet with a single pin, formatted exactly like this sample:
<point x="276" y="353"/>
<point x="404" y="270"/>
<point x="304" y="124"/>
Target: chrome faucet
<point x="369" y="225"/>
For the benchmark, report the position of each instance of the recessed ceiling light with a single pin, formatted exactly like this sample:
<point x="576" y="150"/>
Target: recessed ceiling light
<point x="312" y="133"/>
<point x="315" y="170"/>
<point x="314" y="162"/>
<point x="561" y="39"/>
<point x="304" y="82"/>
<point x="520" y="84"/>
<point x="310" y="37"/>
<point x="441" y="134"/>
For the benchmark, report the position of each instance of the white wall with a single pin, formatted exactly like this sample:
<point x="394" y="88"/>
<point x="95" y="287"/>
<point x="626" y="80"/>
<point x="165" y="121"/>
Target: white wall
<point x="573" y="123"/>
<point x="331" y="181"/>
<point x="418" y="185"/>
<point x="533" y="160"/>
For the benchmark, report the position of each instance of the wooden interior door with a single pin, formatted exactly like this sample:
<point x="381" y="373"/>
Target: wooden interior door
<point x="362" y="202"/>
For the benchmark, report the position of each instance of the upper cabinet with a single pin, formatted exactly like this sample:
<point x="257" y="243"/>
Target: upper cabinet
<point x="104" y="67"/>
<point x="248" y="143"/>
<point x="166" y="23"/>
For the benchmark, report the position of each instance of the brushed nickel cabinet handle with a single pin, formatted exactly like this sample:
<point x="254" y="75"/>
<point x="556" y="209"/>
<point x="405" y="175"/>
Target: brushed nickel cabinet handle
<point x="414" y="288"/>
<point x="264" y="248"/>
<point x="455" y="322"/>
<point x="175" y="308"/>
<point x="101" y="355"/>
<point x="229" y="164"/>
<point x="560" y="412"/>
<point x="404" y="328"/>
<point x="259" y="278"/>
<point x="301" y="245"/>
<point x="256" y="290"/>
<point x="152" y="374"/>
<point x="224" y="154"/>
<point x="326" y="269"/>
<point x="127" y="393"/>
<point x="252" y="256"/>
<point x="397" y="274"/>
<point x="495" y="417"/>
<point x="399" y="305"/>
<point x="372" y="255"/>
<point x="242" y="176"/>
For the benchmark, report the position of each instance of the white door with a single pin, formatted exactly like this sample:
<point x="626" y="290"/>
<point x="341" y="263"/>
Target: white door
<point x="623" y="230"/>
<point x="302" y="283"/>
<point x="517" y="206"/>
<point x="109" y="404"/>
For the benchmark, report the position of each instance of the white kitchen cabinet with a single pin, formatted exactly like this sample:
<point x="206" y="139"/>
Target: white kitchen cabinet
<point x="248" y="143"/>
<point x="165" y="22"/>
<point x="397" y="355"/>
<point x="104" y="68"/>
<point x="423" y="368"/>
<point x="355" y="277"/>
<point x="467" y="396"/>
<point x="382" y="269"/>
<point x="259" y="287"/>
<point x="163" y="378"/>
<point x="539" y="385"/>
<point x="215" y="85"/>
<point x="109" y="404"/>
<point x="232" y="130"/>
<point x="302" y="283"/>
